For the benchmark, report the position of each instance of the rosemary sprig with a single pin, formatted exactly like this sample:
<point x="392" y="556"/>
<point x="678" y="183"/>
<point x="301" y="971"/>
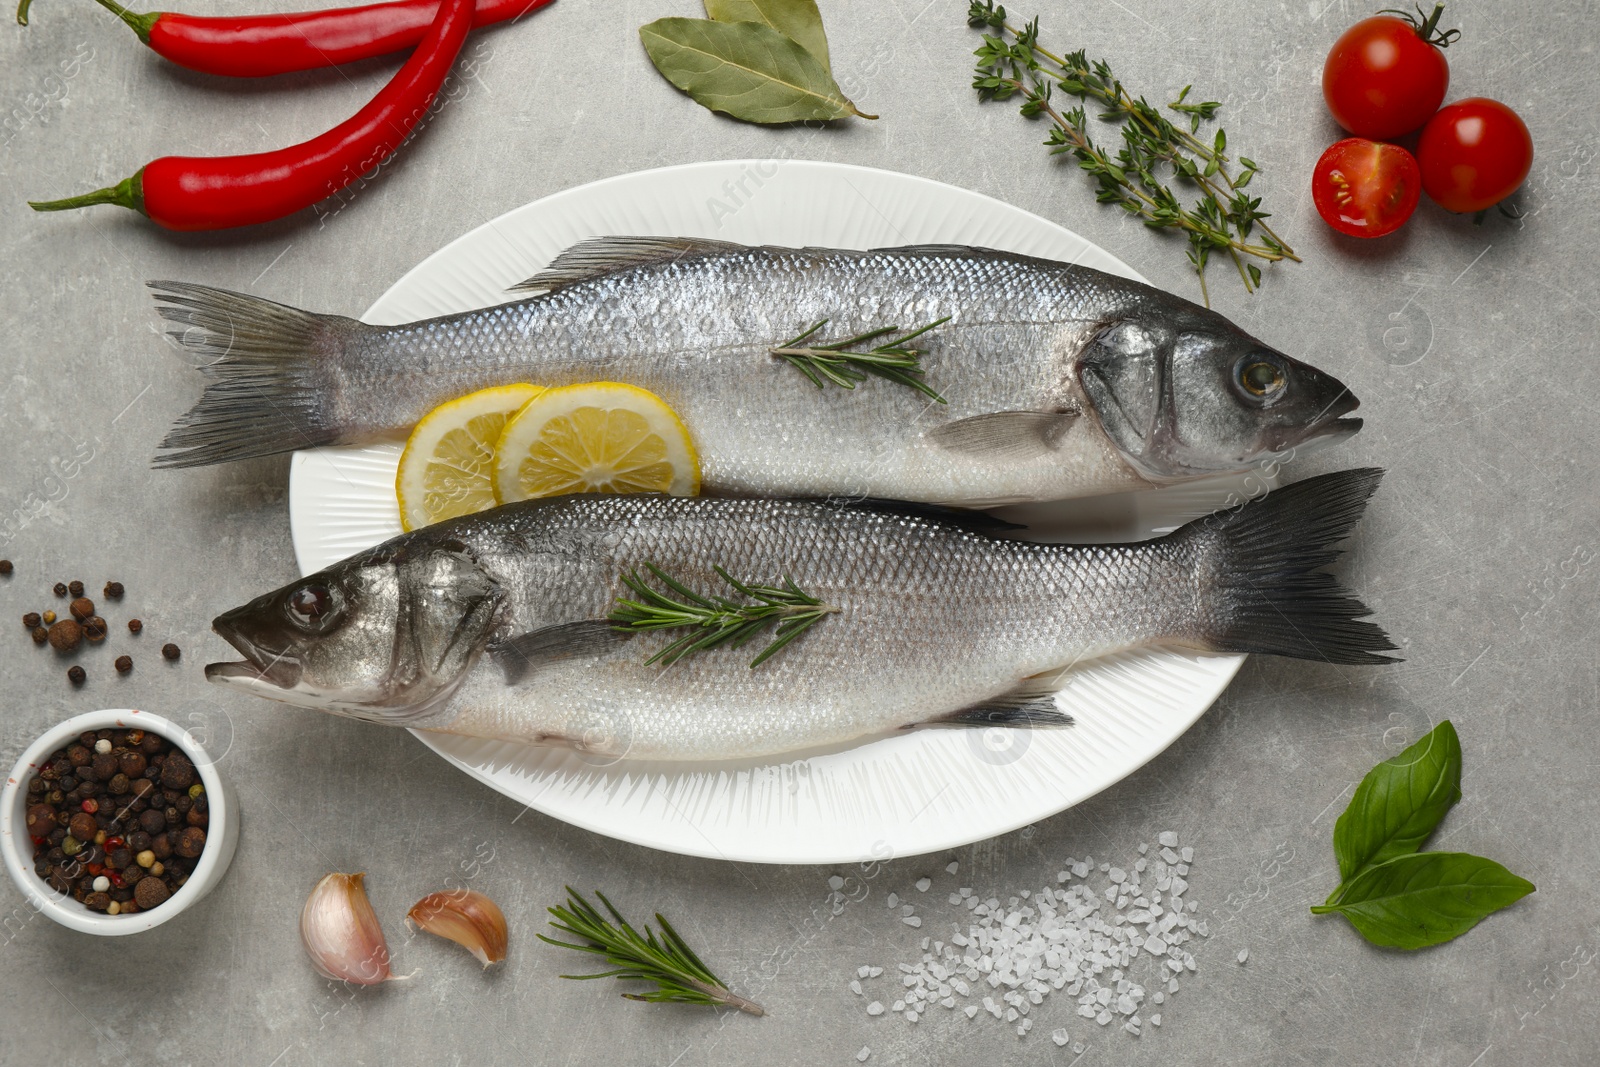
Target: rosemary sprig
<point x="679" y="975"/>
<point x="1224" y="218"/>
<point x="841" y="364"/>
<point x="717" y="620"/>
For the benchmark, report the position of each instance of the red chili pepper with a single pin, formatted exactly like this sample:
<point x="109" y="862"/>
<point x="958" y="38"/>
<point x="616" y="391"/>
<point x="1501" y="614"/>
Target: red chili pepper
<point x="254" y="46"/>
<point x="214" y="193"/>
<point x="113" y="843"/>
<point x="97" y="869"/>
<point x="116" y="880"/>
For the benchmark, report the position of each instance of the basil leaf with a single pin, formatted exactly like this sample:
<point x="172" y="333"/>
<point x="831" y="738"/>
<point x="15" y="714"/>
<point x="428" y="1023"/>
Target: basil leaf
<point x="1426" y="898"/>
<point x="746" y="70"/>
<point x="1398" y="804"/>
<point x="798" y="20"/>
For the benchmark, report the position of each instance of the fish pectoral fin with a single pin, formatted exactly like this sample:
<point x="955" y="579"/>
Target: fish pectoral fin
<point x="1031" y="704"/>
<point x="522" y="656"/>
<point x="1008" y="435"/>
<point x="599" y="256"/>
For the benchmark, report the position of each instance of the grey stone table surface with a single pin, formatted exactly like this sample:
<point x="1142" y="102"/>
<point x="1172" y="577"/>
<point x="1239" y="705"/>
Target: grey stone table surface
<point x="1473" y="350"/>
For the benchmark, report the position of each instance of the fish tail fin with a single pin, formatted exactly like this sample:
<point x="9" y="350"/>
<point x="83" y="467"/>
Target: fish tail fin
<point x="1261" y="573"/>
<point x="268" y="369"/>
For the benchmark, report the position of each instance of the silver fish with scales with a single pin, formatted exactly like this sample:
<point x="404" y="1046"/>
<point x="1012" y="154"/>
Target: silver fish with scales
<point x="1059" y="380"/>
<point x="497" y="625"/>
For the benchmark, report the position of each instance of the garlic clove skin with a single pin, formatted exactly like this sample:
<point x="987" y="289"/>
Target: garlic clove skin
<point x="341" y="934"/>
<point x="468" y="918"/>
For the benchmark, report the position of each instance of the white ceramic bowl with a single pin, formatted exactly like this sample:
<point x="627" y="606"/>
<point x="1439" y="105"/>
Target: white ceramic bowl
<point x="222" y="830"/>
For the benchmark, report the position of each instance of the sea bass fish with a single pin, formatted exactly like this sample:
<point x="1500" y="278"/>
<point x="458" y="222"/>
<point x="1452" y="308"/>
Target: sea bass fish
<point x="501" y="624"/>
<point x="1058" y="380"/>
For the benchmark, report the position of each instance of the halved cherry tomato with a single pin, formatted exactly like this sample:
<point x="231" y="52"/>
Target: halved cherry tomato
<point x="1474" y="154"/>
<point x="1385" y="76"/>
<point x="1364" y="188"/>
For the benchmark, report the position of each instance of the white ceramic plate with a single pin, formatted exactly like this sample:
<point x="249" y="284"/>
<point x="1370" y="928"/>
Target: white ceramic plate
<point x="912" y="793"/>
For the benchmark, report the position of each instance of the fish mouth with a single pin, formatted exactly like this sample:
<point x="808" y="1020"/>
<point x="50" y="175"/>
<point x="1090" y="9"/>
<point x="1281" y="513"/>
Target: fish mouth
<point x="262" y="667"/>
<point x="1331" y="425"/>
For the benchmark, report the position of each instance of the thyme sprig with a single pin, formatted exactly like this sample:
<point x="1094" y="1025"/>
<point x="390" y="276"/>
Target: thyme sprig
<point x="841" y="363"/>
<point x="717" y="620"/>
<point x="1225" y="218"/>
<point x="679" y="976"/>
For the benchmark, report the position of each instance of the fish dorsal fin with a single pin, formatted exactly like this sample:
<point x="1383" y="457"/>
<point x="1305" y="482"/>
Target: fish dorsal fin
<point x="964" y="252"/>
<point x="599" y="256"/>
<point x="1005" y="435"/>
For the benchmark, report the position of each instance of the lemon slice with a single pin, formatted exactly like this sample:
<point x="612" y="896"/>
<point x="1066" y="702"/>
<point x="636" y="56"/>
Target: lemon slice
<point x="600" y="437"/>
<point x="447" y="468"/>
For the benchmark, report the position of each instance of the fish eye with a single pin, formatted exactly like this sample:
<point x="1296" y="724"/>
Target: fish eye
<point x="310" y="606"/>
<point x="1260" y="376"/>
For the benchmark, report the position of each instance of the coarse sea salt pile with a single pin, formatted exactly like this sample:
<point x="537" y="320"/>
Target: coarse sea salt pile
<point x="1111" y="937"/>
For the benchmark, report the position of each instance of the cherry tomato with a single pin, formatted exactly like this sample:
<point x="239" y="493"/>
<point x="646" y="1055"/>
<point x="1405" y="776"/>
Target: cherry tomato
<point x="1385" y="76"/>
<point x="1364" y="188"/>
<point x="1474" y="154"/>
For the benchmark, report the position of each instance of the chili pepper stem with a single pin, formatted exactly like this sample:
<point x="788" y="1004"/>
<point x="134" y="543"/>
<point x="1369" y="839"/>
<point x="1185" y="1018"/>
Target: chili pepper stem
<point x="140" y="24"/>
<point x="128" y="193"/>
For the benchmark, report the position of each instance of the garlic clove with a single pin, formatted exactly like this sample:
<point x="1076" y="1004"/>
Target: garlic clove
<point x="468" y="918"/>
<point x="341" y="934"/>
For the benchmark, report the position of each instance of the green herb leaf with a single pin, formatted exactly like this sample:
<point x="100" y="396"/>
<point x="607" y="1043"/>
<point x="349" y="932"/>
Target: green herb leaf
<point x="665" y="961"/>
<point x="1398" y="804"/>
<point x="746" y="70"/>
<point x="798" y="20"/>
<point x="844" y="364"/>
<point x="1426" y="898"/>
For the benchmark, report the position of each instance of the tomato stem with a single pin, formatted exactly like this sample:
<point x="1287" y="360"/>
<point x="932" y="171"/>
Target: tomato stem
<point x="1426" y="25"/>
<point x="128" y="193"/>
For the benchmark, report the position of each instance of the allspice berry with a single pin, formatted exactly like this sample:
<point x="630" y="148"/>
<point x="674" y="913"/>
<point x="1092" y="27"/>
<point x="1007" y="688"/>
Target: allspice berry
<point x="95" y="628"/>
<point x="170" y="651"/>
<point x="82" y="608"/>
<point x="191" y="843"/>
<point x="65" y="635"/>
<point x="134" y="626"/>
<point x="5" y="566"/>
<point x="150" y="892"/>
<point x="40" y="635"/>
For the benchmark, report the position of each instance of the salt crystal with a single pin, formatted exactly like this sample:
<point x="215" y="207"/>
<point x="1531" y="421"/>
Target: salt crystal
<point x="1118" y="875"/>
<point x="907" y="909"/>
<point x="1059" y="1036"/>
<point x="923" y="884"/>
<point x="855" y="987"/>
<point x="898" y="1005"/>
<point x="1167" y="837"/>
<point x="875" y="1008"/>
<point x="1011" y="1015"/>
<point x="911" y="1016"/>
<point x="952" y="867"/>
<point x="1244" y="954"/>
<point x="1187" y="854"/>
<point x="863" y="1054"/>
<point x="948" y="1002"/>
<point x="1155" y="1020"/>
<point x="955" y="899"/>
<point x="894" y="900"/>
<point x="912" y="920"/>
<point x="836" y="883"/>
<point x="862" y="972"/>
<point x="873" y="972"/>
<point x="1159" y="997"/>
<point x="1103" y="1018"/>
<point x="1143" y="848"/>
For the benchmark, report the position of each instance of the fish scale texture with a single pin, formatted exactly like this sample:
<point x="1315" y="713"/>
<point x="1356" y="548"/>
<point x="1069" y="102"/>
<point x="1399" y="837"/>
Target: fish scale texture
<point x="932" y="619"/>
<point x="699" y="331"/>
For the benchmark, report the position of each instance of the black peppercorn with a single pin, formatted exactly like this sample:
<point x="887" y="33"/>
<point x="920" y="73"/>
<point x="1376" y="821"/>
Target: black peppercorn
<point x="75" y="587"/>
<point x="113" y="591"/>
<point x="77" y="675"/>
<point x="40" y="635"/>
<point x="161" y="845"/>
<point x="151" y="745"/>
<point x="5" y="567"/>
<point x="31" y="620"/>
<point x="124" y="664"/>
<point x="170" y="651"/>
<point x="138" y="841"/>
<point x="119" y="783"/>
<point x="60" y="589"/>
<point x="177" y="773"/>
<point x="131" y="764"/>
<point x="95" y="628"/>
<point x="103" y="766"/>
<point x="191" y="842"/>
<point x="134" y="626"/>
<point x="153" y="821"/>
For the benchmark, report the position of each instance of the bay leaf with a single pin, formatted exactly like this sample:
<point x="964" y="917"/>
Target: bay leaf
<point x="798" y="20"/>
<point x="745" y="69"/>
<point x="1426" y="898"/>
